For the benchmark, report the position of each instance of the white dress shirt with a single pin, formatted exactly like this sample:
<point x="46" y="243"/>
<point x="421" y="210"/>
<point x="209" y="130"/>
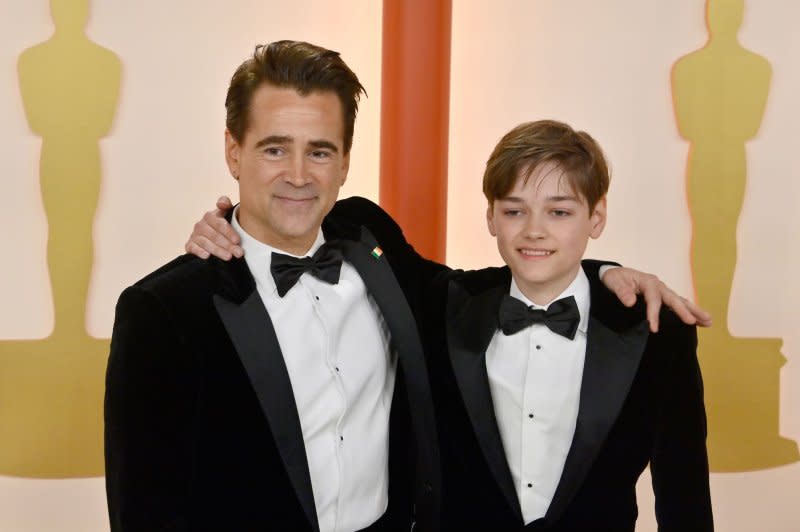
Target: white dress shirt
<point x="535" y="378"/>
<point x="336" y="347"/>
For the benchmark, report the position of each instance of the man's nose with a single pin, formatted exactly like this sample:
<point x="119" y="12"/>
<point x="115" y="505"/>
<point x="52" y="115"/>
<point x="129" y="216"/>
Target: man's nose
<point x="297" y="173"/>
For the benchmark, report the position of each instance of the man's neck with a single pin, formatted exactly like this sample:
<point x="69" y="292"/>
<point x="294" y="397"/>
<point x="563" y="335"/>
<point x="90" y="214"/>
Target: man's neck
<point x="297" y="247"/>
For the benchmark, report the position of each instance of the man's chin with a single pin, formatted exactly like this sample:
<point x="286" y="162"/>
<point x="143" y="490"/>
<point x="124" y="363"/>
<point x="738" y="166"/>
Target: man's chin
<point x="301" y="231"/>
<point x="296" y="207"/>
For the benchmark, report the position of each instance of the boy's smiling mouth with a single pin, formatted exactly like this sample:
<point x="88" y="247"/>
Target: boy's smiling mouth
<point x="535" y="252"/>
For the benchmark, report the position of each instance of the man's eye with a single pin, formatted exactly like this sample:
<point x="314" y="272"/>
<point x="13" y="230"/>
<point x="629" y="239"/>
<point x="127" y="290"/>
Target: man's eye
<point x="320" y="154"/>
<point x="273" y="151"/>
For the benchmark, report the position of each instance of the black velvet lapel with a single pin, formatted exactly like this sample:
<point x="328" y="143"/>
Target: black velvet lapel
<point x="471" y="322"/>
<point x="613" y="353"/>
<point x="382" y="285"/>
<point x="251" y="331"/>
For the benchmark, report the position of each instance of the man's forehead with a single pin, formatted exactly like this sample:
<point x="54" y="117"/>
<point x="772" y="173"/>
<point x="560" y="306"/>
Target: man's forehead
<point x="285" y="112"/>
<point x="271" y="95"/>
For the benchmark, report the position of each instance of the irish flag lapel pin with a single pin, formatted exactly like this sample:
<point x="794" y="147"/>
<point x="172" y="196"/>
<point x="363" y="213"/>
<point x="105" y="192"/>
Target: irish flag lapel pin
<point x="377" y="252"/>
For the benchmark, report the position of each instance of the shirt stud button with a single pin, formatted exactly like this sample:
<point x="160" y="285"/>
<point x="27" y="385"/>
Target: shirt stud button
<point x="538" y="347"/>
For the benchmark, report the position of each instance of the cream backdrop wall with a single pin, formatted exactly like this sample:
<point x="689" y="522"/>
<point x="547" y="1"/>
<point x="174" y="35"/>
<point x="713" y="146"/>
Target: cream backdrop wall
<point x="163" y="166"/>
<point x="603" y="66"/>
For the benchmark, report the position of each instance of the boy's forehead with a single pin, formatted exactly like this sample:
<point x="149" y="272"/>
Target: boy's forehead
<point x="549" y="178"/>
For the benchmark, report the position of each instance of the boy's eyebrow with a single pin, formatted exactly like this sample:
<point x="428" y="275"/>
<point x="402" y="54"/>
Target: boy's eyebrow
<point x="562" y="198"/>
<point x="512" y="199"/>
<point x="274" y="139"/>
<point x="517" y="199"/>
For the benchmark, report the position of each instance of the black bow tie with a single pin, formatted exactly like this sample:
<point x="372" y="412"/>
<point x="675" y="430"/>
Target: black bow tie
<point x="324" y="265"/>
<point x="561" y="317"/>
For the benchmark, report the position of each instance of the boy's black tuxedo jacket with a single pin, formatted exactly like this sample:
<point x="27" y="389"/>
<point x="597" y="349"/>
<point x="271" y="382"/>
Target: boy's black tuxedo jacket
<point x="202" y="432"/>
<point x="641" y="401"/>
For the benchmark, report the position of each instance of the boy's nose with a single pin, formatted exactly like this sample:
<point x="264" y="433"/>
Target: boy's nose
<point x="535" y="229"/>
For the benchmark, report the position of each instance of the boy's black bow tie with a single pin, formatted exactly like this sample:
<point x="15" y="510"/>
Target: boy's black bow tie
<point x="561" y="317"/>
<point x="324" y="265"/>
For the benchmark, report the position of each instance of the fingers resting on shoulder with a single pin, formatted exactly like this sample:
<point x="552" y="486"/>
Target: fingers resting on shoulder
<point x="213" y="235"/>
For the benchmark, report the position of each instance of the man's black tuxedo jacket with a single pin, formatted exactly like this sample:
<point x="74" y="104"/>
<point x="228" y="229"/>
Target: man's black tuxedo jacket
<point x="641" y="401"/>
<point x="202" y="432"/>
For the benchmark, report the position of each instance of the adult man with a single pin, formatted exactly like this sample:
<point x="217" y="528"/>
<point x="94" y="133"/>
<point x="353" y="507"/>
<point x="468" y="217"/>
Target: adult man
<point x="276" y="392"/>
<point x="239" y="401"/>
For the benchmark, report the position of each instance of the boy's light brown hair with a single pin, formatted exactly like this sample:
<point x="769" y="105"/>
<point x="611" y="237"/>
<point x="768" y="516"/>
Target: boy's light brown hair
<point x="531" y="144"/>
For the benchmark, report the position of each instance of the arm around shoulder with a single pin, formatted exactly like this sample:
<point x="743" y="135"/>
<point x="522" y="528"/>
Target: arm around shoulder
<point x="679" y="461"/>
<point x="149" y="401"/>
<point x="413" y="271"/>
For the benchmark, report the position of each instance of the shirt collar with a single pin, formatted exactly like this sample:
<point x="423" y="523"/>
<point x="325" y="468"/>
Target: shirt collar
<point x="578" y="288"/>
<point x="258" y="255"/>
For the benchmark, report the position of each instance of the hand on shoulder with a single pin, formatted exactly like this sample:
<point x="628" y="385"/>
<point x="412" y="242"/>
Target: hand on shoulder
<point x="626" y="283"/>
<point x="213" y="234"/>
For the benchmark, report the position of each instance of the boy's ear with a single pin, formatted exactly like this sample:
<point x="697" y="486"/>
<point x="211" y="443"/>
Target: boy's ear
<point x="232" y="154"/>
<point x="598" y="218"/>
<point x="490" y="220"/>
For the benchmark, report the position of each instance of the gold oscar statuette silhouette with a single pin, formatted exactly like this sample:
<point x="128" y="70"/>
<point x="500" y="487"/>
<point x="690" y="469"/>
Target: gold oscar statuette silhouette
<point x="51" y="390"/>
<point x="720" y="93"/>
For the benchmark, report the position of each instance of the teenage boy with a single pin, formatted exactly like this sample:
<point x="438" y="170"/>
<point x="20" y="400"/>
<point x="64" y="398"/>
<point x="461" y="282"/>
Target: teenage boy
<point x="551" y="396"/>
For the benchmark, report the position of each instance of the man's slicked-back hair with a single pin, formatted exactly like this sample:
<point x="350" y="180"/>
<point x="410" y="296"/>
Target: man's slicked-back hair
<point x="297" y="65"/>
<point x="529" y="145"/>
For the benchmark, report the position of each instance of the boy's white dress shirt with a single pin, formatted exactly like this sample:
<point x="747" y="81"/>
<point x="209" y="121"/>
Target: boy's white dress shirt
<point x="535" y="378"/>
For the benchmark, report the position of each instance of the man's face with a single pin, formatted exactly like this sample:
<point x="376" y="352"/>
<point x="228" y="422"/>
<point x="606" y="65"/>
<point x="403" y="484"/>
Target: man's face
<point x="542" y="228"/>
<point x="290" y="165"/>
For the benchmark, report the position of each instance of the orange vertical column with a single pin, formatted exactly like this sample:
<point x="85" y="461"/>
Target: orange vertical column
<point x="415" y="105"/>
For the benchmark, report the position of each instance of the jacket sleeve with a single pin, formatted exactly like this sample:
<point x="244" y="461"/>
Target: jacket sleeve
<point x="149" y="402"/>
<point x="414" y="272"/>
<point x="592" y="267"/>
<point x="679" y="461"/>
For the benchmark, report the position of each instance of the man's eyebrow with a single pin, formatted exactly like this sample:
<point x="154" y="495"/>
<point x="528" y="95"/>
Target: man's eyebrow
<point x="324" y="144"/>
<point x="274" y="139"/>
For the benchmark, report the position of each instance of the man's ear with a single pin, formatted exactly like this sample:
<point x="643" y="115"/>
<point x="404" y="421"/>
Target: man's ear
<point x="490" y="220"/>
<point x="345" y="168"/>
<point x="233" y="154"/>
<point x="598" y="218"/>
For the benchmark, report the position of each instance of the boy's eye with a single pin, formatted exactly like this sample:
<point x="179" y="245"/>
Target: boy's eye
<point x="512" y="212"/>
<point x="560" y="212"/>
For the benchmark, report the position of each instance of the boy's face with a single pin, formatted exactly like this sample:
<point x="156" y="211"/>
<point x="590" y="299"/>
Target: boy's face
<point x="542" y="227"/>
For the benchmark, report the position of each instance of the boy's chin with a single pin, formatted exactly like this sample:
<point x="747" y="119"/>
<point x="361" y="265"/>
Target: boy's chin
<point x="536" y="274"/>
<point x="542" y="284"/>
